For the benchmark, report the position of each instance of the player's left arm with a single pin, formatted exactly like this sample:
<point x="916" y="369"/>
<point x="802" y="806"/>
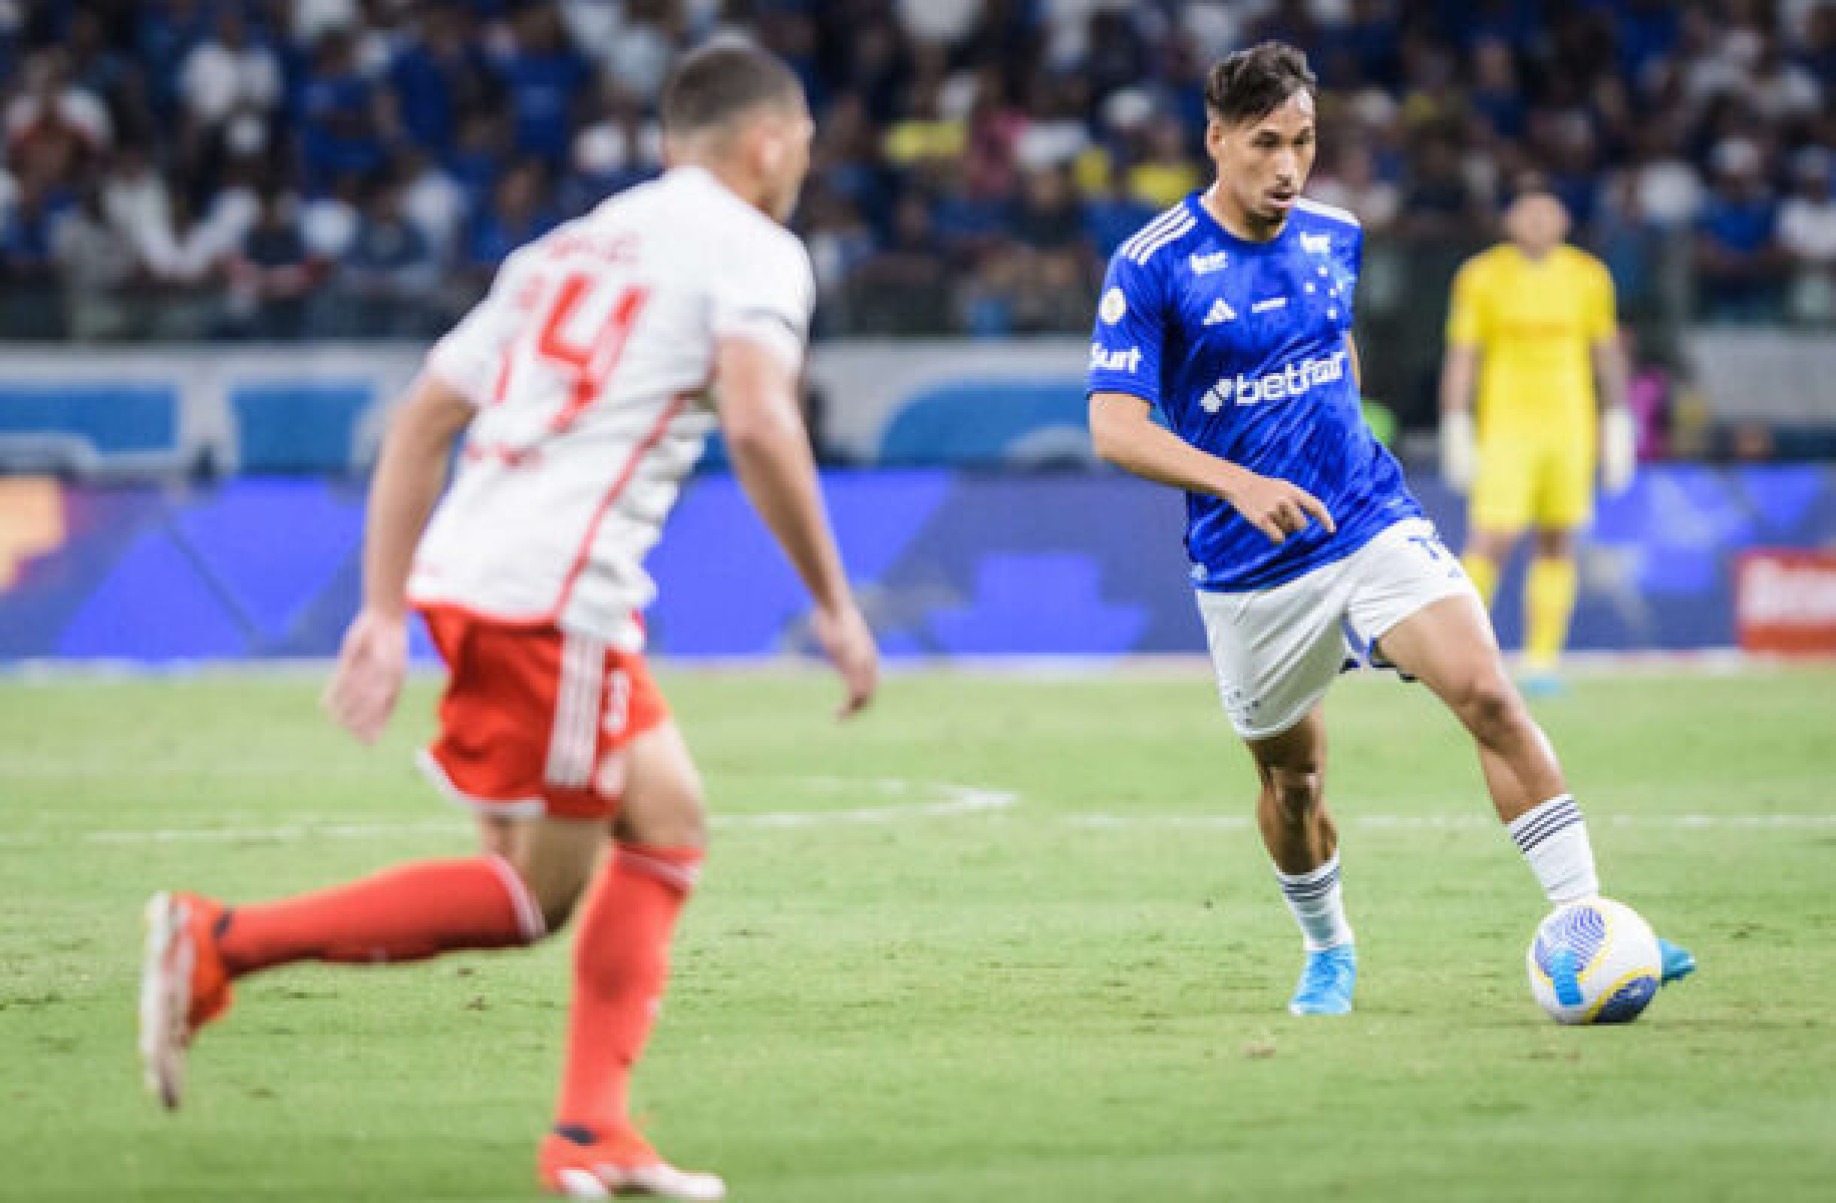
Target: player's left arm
<point x="410" y="476"/>
<point x="1618" y="437"/>
<point x="761" y="317"/>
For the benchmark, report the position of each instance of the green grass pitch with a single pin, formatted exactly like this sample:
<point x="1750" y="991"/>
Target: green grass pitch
<point x="1007" y="938"/>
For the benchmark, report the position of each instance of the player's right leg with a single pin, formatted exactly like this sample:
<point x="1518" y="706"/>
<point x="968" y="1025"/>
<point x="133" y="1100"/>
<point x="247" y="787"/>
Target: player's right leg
<point x="1303" y="843"/>
<point x="1276" y="652"/>
<point x="1449" y="645"/>
<point x="621" y="963"/>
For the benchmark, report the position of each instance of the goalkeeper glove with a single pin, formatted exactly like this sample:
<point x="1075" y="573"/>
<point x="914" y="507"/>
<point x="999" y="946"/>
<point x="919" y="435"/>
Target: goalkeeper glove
<point x="1618" y="450"/>
<point x="1459" y="450"/>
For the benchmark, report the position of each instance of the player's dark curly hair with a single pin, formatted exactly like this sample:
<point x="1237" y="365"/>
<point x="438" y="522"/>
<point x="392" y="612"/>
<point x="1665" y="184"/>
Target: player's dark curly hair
<point x="722" y="80"/>
<point x="1253" y="83"/>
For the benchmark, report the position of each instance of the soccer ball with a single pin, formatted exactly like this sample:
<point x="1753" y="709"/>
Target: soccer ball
<point x="1594" y="961"/>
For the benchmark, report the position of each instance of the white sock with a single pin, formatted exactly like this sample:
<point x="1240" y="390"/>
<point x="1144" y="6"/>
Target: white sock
<point x="1553" y="838"/>
<point x="1318" y="904"/>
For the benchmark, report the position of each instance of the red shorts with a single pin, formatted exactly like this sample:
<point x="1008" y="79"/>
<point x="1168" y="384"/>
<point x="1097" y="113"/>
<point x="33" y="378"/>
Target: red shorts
<point x="535" y="721"/>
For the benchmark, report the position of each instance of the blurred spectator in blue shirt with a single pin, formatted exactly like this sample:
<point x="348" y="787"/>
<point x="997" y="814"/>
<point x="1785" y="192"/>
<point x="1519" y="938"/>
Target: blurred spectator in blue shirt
<point x="517" y="214"/>
<point x="272" y="274"/>
<point x="26" y="235"/>
<point x="1496" y="94"/>
<point x="1818" y="52"/>
<point x="96" y="66"/>
<point x="164" y="33"/>
<point x="389" y="273"/>
<point x="440" y="74"/>
<point x="476" y="161"/>
<point x="1737" y="256"/>
<point x="338" y="112"/>
<point x="543" y="77"/>
<point x="1647" y="30"/>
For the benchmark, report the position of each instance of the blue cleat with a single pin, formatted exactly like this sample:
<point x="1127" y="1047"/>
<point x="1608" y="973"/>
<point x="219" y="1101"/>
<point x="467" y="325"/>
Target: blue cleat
<point x="1679" y="962"/>
<point x="1545" y="684"/>
<point x="1326" y="982"/>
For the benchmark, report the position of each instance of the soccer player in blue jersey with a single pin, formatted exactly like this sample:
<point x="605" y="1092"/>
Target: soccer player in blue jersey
<point x="1231" y="314"/>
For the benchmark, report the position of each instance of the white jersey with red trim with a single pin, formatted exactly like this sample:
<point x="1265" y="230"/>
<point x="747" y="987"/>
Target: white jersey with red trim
<point x="587" y="362"/>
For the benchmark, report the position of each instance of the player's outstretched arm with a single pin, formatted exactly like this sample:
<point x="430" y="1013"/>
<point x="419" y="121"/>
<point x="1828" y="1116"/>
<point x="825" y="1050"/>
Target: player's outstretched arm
<point x="410" y="473"/>
<point x="770" y="450"/>
<point x="1125" y="435"/>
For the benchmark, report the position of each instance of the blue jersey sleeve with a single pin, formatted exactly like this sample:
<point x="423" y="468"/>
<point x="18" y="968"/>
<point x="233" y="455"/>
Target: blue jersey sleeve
<point x="1130" y="332"/>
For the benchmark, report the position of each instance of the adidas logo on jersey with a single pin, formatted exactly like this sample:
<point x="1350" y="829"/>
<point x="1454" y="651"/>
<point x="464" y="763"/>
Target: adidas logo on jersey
<point x="1318" y="244"/>
<point x="1294" y="380"/>
<point x="1204" y="265"/>
<point x="1220" y="312"/>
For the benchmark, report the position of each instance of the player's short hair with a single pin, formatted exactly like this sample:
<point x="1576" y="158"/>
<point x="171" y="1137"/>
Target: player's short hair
<point x="1250" y="84"/>
<point x="1529" y="182"/>
<point x="717" y="83"/>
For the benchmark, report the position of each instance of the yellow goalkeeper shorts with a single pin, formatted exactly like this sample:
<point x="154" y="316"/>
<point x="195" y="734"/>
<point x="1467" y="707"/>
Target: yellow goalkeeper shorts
<point x="1536" y="481"/>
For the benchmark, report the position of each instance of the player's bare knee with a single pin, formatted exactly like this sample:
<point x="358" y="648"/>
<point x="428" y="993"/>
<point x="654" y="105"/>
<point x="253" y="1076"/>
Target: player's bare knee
<point x="1296" y="791"/>
<point x="1490" y="708"/>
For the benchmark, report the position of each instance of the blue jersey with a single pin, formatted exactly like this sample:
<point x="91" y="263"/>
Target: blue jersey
<point x="1244" y="347"/>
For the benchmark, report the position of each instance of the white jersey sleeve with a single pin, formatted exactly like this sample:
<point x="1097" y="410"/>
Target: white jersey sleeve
<point x="765" y="291"/>
<point x="471" y="355"/>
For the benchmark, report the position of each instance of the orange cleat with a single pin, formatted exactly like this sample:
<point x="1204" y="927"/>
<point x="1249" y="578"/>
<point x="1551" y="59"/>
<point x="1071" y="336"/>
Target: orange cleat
<point x="576" y="1163"/>
<point x="183" y="986"/>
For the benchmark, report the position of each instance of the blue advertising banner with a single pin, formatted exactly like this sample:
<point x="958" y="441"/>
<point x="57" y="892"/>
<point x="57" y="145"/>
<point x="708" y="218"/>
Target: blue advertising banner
<point x="949" y="564"/>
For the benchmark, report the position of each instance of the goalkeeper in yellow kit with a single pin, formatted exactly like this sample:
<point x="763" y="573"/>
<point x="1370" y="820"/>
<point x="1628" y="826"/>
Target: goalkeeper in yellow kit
<point x="1532" y="325"/>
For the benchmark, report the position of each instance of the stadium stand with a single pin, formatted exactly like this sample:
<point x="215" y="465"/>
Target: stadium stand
<point x="304" y="170"/>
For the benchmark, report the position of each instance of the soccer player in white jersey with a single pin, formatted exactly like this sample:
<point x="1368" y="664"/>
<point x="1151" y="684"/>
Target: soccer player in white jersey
<point x="1231" y="313"/>
<point x="581" y="385"/>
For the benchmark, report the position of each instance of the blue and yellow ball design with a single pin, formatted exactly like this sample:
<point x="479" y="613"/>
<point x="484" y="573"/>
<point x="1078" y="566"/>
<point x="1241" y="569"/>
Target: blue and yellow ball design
<point x="1594" y="961"/>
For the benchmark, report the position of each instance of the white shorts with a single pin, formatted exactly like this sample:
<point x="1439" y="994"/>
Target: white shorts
<point x="1277" y="651"/>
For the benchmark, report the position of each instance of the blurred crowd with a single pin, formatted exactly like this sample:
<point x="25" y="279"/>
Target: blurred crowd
<point x="358" y="168"/>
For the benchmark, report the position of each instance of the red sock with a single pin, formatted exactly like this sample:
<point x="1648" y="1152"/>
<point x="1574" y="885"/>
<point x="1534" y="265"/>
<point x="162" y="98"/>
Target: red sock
<point x="406" y="913"/>
<point x="621" y="958"/>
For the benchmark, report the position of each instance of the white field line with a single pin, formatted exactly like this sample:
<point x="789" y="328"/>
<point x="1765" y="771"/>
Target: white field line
<point x="254" y="770"/>
<point x="930" y="799"/>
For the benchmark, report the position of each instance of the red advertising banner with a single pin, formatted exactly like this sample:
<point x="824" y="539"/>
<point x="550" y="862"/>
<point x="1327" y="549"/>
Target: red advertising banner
<point x="1785" y="602"/>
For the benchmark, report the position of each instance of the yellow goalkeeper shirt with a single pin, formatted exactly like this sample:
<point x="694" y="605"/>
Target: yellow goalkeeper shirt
<point x="1534" y="324"/>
